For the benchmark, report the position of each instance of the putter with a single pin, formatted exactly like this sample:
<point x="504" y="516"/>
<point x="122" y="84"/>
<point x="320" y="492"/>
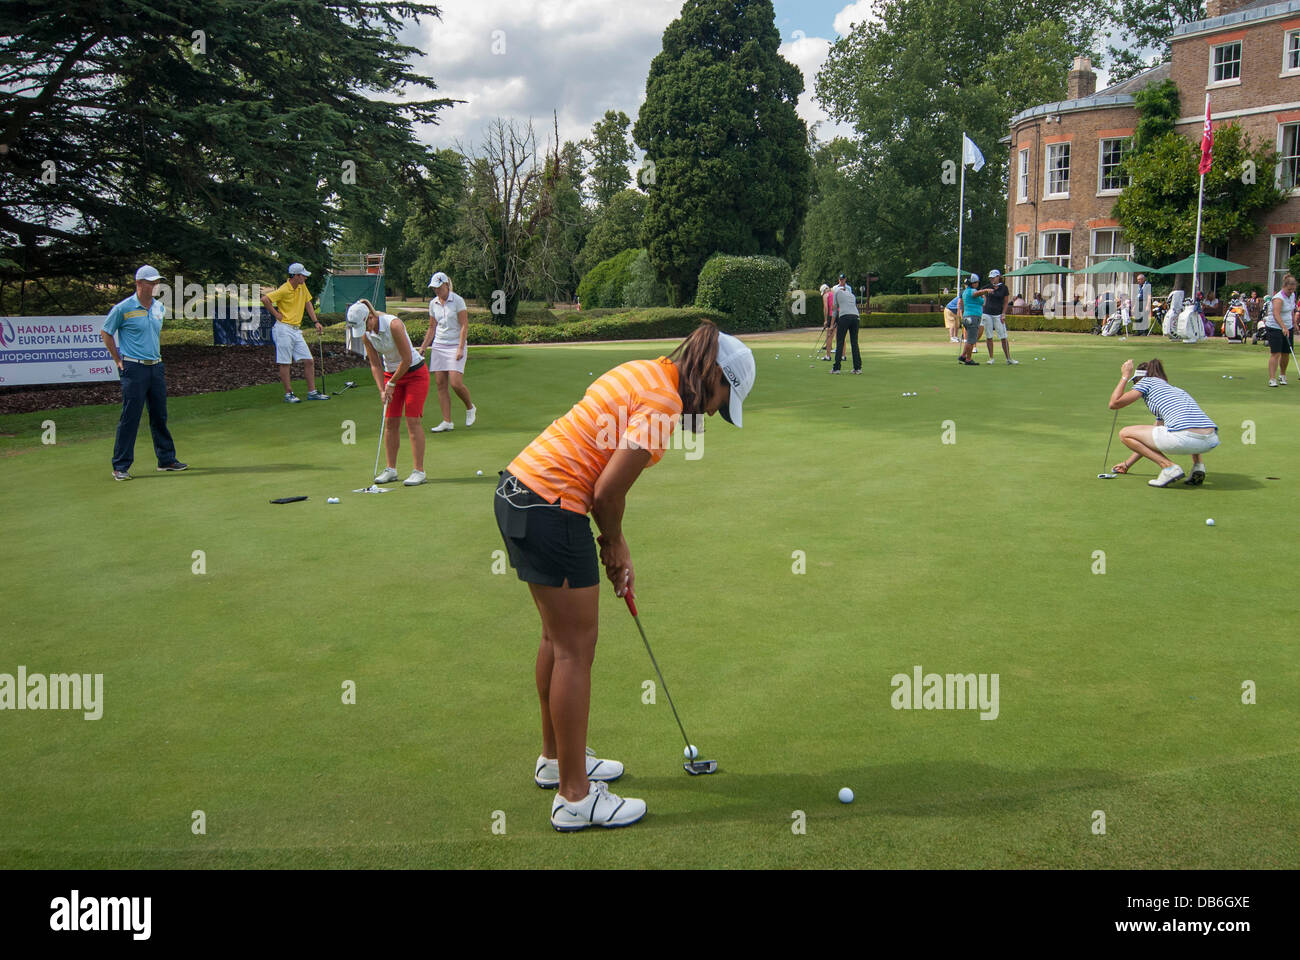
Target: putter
<point x="1112" y="476"/>
<point x="320" y="348"/>
<point x="693" y="767"/>
<point x="346" y="387"/>
<point x="374" y="487"/>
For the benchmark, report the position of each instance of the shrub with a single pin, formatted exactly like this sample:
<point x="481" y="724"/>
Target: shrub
<point x="814" y="309"/>
<point x="603" y="285"/>
<point x="645" y="324"/>
<point x="898" y="302"/>
<point x="643" y="288"/>
<point x="753" y="290"/>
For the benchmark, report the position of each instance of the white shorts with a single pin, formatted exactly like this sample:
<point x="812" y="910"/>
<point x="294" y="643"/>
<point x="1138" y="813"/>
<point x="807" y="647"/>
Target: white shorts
<point x="289" y="344"/>
<point x="1183" y="441"/>
<point x="994" y="327"/>
<point x="442" y="358"/>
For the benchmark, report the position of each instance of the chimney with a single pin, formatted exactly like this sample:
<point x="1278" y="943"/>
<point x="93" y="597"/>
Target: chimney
<point x="1217" y="8"/>
<point x="1082" y="81"/>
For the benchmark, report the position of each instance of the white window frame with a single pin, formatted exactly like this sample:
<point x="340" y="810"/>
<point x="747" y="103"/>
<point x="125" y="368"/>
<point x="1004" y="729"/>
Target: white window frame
<point x="1022" y="176"/>
<point x="1276" y="271"/>
<point x="1067" y="294"/>
<point x="1119" y="247"/>
<point x="1020" y="259"/>
<point x="1103" y="191"/>
<point x="1282" y="158"/>
<point x="1290" y="45"/>
<point x="1231" y="81"/>
<point x="1047" y="171"/>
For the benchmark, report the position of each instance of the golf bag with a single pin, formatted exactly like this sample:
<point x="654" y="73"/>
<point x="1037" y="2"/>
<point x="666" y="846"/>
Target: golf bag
<point x="1190" y="327"/>
<point x="1261" y="325"/>
<point x="1158" y="308"/>
<point x="1235" y="325"/>
<point x="1112" y="326"/>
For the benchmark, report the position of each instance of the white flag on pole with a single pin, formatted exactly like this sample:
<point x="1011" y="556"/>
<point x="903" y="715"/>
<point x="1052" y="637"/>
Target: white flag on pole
<point x="970" y="154"/>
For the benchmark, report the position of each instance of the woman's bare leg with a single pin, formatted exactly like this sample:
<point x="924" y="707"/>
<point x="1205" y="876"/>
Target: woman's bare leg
<point x="1138" y="439"/>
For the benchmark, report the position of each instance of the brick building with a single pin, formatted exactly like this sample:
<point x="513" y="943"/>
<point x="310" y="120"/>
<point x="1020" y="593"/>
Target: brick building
<point x="1064" y="156"/>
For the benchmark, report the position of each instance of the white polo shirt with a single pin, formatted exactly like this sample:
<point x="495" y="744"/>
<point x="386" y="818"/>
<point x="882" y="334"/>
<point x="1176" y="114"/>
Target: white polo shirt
<point x="386" y="346"/>
<point x="447" y="317"/>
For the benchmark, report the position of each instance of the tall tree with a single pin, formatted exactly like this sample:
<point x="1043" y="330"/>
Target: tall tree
<point x="430" y="231"/>
<point x="610" y="152"/>
<point x="505" y="214"/>
<point x="1158" y="208"/>
<point x="1143" y="28"/>
<point x="729" y="150"/>
<point x="911" y="84"/>
<point x="616" y="228"/>
<point x="211" y="135"/>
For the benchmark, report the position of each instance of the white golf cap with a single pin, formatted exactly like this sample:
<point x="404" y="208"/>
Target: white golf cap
<point x="974" y="278"/>
<point x="147" y="273"/>
<point x="737" y="363"/>
<point x="298" y="268"/>
<point x="994" y="273"/>
<point x="358" y="314"/>
<point x="438" y="279"/>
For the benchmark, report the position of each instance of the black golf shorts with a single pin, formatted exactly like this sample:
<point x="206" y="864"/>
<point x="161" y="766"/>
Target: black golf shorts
<point x="547" y="544"/>
<point x="1278" y="340"/>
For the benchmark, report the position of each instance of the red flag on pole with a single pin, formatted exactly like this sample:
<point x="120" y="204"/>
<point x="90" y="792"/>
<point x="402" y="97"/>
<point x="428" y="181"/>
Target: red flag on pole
<point x="1207" y="140"/>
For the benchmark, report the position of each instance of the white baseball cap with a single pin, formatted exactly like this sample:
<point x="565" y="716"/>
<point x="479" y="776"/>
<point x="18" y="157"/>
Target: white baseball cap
<point x="358" y="314"/>
<point x="994" y="273"/>
<point x="737" y="363"/>
<point x="438" y="279"/>
<point x="298" y="268"/>
<point x="974" y="278"/>
<point x="147" y="273"/>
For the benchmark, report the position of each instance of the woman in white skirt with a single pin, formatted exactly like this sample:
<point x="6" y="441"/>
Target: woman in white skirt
<point x="1181" y="425"/>
<point x="448" y="326"/>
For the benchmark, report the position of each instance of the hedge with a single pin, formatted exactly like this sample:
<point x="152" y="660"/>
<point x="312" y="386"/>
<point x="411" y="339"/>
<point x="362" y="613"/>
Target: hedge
<point x="753" y="290"/>
<point x="1027" y="323"/>
<point x="646" y="324"/>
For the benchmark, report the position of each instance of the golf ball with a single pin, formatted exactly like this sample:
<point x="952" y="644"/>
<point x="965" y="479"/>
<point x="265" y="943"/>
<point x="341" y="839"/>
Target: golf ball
<point x="1210" y="522"/>
<point x="332" y="500"/>
<point x="479" y="473"/>
<point x="846" y="795"/>
<point x="690" y="753"/>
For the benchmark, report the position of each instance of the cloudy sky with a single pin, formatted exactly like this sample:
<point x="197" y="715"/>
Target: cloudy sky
<point x="525" y="58"/>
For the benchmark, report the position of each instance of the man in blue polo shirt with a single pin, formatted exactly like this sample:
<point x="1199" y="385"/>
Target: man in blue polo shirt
<point x="135" y="324"/>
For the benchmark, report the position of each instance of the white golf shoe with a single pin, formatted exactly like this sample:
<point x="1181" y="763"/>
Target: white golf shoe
<point x="416" y="478"/>
<point x="600" y="809"/>
<point x="388" y="476"/>
<point x="546" y="774"/>
<point x="1167" y="476"/>
<point x="470" y="415"/>
<point x="443" y="427"/>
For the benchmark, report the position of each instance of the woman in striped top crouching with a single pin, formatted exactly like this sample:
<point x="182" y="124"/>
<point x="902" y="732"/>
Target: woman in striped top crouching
<point x="1181" y="425"/>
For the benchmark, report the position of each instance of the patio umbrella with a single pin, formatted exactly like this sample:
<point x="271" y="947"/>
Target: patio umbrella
<point x="1119" y="265"/>
<point x="1207" y="264"/>
<point x="939" y="269"/>
<point x="1039" y="268"/>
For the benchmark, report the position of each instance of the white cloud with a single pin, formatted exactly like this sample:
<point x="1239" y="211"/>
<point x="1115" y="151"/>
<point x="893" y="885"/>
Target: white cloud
<point x="808" y="54"/>
<point x="861" y="11"/>
<point x="515" y="60"/>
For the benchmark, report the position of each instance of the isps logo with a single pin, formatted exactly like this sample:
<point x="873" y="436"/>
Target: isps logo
<point x="7" y="336"/>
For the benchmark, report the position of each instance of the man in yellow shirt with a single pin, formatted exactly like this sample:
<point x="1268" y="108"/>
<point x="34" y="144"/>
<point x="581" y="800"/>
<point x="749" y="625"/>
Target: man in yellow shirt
<point x="287" y="304"/>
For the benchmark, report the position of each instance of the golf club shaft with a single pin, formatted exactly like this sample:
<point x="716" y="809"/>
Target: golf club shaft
<point x="320" y="348"/>
<point x="1105" y="468"/>
<point x="632" y="607"/>
<point x="382" y="422"/>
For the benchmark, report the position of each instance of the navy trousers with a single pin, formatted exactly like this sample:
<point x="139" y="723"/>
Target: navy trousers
<point x="142" y="385"/>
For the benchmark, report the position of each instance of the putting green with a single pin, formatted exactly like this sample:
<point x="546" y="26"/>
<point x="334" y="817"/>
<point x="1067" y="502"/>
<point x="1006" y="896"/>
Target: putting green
<point x="1119" y="692"/>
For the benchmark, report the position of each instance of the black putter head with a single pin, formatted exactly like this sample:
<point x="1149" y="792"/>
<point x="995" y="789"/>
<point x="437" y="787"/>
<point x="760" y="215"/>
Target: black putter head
<point x="697" y="767"/>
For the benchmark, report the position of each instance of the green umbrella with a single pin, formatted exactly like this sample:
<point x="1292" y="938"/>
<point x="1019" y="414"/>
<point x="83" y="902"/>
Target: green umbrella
<point x="1206" y="264"/>
<point x="939" y="269"/>
<point x="1039" y="268"/>
<point x="1119" y="265"/>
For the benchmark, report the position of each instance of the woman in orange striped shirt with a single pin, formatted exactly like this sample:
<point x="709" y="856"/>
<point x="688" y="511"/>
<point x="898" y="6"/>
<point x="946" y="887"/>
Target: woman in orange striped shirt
<point x="585" y="462"/>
